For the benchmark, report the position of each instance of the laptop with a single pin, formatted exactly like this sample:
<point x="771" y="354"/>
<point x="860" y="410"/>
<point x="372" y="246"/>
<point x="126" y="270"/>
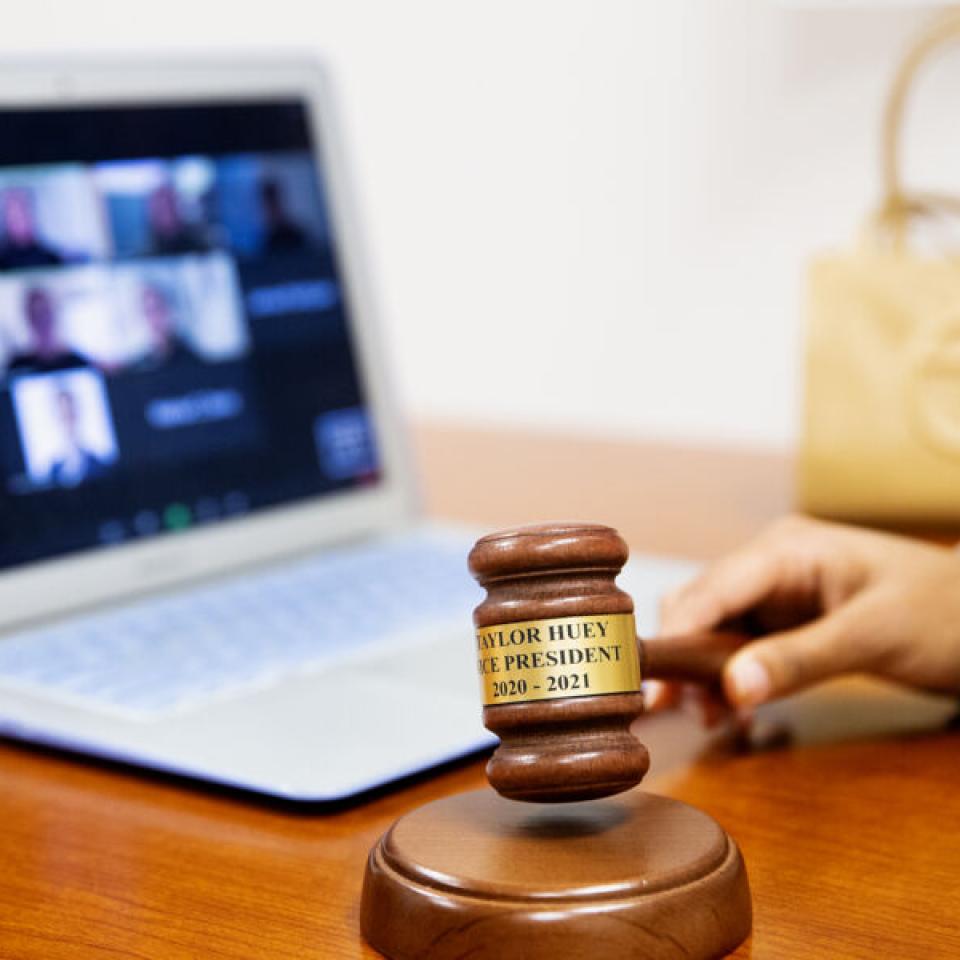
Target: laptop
<point x="212" y="561"/>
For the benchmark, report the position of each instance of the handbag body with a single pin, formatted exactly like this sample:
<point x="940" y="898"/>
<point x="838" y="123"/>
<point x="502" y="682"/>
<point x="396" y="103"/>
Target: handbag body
<point x="880" y="438"/>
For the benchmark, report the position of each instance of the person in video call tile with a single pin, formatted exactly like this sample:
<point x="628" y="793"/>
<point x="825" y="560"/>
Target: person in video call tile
<point x="76" y="464"/>
<point x="170" y="232"/>
<point x="46" y="351"/>
<point x="281" y="234"/>
<point x="21" y="247"/>
<point x="165" y="346"/>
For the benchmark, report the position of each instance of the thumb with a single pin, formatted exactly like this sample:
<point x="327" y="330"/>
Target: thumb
<point x="784" y="662"/>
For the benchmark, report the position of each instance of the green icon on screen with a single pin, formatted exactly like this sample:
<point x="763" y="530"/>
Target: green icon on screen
<point x="177" y="516"/>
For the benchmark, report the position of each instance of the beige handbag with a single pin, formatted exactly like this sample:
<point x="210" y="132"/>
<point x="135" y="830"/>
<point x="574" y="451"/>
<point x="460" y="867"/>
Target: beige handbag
<point x="881" y="431"/>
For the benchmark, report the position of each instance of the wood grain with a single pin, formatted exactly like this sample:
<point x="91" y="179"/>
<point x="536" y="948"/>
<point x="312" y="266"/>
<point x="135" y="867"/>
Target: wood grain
<point x="853" y="848"/>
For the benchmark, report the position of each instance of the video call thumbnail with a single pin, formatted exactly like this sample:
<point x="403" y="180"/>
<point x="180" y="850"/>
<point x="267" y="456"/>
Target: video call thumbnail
<point x="50" y="216"/>
<point x="157" y="207"/>
<point x="65" y="427"/>
<point x="264" y="204"/>
<point x="184" y="307"/>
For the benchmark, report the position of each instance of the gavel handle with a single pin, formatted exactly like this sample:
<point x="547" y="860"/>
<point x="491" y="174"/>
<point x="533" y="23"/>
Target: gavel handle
<point x="688" y="658"/>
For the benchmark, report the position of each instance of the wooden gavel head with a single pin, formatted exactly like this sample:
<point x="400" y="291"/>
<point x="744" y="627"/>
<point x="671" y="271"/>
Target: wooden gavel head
<point x="559" y="662"/>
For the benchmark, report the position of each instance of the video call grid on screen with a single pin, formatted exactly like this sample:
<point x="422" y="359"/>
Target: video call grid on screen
<point x="174" y="337"/>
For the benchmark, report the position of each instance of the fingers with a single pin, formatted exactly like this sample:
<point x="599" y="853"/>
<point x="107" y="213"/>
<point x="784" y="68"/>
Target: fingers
<point x="787" y="573"/>
<point x="786" y="662"/>
<point x="727" y="589"/>
<point x="808" y="581"/>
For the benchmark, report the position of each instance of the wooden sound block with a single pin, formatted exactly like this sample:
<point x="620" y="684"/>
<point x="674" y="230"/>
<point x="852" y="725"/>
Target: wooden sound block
<point x="482" y="877"/>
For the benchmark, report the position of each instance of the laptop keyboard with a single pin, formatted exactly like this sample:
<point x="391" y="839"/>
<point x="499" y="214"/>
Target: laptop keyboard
<point x="176" y="651"/>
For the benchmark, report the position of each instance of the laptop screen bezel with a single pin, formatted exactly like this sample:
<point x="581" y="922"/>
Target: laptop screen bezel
<point x="50" y="587"/>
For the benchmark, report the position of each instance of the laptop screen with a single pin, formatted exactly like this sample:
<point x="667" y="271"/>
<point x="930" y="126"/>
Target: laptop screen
<point x="175" y="340"/>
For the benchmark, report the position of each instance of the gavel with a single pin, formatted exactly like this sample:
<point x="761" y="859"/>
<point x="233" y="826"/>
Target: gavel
<point x="560" y="662"/>
<point x="637" y="875"/>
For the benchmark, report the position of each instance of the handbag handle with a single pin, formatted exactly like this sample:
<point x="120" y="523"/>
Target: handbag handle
<point x="898" y="206"/>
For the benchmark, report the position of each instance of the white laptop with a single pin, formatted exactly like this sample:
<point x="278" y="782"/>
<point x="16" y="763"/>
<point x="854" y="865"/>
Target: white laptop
<point x="211" y="560"/>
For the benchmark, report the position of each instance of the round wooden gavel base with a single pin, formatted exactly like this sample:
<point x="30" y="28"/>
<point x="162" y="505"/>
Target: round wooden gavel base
<point x="630" y="876"/>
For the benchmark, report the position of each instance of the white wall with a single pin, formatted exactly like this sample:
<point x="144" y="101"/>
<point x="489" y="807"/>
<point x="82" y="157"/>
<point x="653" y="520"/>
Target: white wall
<point x="587" y="213"/>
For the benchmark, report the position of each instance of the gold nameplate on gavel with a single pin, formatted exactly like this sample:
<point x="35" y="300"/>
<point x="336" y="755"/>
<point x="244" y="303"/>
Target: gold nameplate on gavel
<point x="559" y="658"/>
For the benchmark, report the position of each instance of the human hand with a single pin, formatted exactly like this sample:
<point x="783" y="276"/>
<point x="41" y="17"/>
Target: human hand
<point x="823" y="600"/>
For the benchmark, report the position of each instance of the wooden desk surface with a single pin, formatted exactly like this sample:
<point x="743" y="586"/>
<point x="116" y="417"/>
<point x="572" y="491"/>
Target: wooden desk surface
<point x="853" y="848"/>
